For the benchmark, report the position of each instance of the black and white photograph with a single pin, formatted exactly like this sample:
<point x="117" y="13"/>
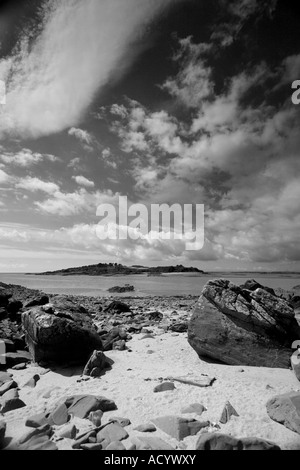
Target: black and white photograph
<point x="149" y="227"/>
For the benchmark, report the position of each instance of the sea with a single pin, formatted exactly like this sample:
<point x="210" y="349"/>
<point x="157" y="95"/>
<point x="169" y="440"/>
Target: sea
<point x="175" y="284"/>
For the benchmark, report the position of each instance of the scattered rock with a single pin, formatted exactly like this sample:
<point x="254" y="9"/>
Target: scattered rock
<point x="59" y="416"/>
<point x="227" y="412"/>
<point x="194" y="408"/>
<point x="37" y="421"/>
<point x="37" y="439"/>
<point x="111" y="433"/>
<point x="178" y="427"/>
<point x="285" y="409"/>
<point x="68" y="431"/>
<point x="33" y="381"/>
<point x="117" y="307"/>
<point x="180" y="327"/>
<point x="10" y="401"/>
<point x="39" y="300"/>
<point x="7" y="386"/>
<point x="163" y="387"/>
<point x="96" y="364"/>
<point x="145" y="428"/>
<point x="82" y="405"/>
<point x="121" y="421"/>
<point x="95" y="417"/>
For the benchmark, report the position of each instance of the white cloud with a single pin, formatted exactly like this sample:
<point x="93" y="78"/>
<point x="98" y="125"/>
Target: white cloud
<point x="4" y="177"/>
<point x="25" y="158"/>
<point x="81" y="135"/>
<point x="36" y="184"/>
<point x="82" y="181"/>
<point x="51" y="83"/>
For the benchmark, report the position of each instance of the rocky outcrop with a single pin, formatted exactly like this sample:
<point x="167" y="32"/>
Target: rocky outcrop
<point x="285" y="409"/>
<point x="60" y="333"/>
<point x="241" y="326"/>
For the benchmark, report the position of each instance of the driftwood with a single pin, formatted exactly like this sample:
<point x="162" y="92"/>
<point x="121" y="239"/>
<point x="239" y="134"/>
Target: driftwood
<point x="203" y="382"/>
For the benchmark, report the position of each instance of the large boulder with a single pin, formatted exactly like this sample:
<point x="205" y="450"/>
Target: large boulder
<point x="285" y="409"/>
<point x="239" y="326"/>
<point x="60" y="333"/>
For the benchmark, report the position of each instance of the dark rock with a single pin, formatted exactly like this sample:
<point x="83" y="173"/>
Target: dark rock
<point x="155" y="316"/>
<point x="82" y="405"/>
<point x="4" y="298"/>
<point x="13" y="358"/>
<point x="111" y="433"/>
<point x="181" y="327"/>
<point x="13" y="308"/>
<point x="253" y="285"/>
<point x="39" y="300"/>
<point x="10" y="404"/>
<point x="121" y="289"/>
<point x="96" y="364"/>
<point x="117" y="307"/>
<point x="3" y="313"/>
<point x="64" y="335"/>
<point x="242" y="327"/>
<point x="285" y="409"/>
<point x="227" y="412"/>
<point x="178" y="427"/>
<point x="163" y="387"/>
<point x="215" y="441"/>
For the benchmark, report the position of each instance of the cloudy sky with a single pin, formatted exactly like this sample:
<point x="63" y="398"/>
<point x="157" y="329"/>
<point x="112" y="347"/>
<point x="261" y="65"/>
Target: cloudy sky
<point x="162" y="101"/>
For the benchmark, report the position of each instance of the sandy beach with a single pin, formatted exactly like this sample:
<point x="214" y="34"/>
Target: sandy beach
<point x="149" y="360"/>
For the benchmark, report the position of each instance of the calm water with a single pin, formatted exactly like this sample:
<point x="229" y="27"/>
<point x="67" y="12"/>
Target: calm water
<point x="167" y="285"/>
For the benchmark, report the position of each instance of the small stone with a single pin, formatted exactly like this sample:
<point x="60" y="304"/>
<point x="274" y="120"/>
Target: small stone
<point x="163" y="387"/>
<point x="121" y="421"/>
<point x="83" y="439"/>
<point x="59" y="416"/>
<point x="95" y="417"/>
<point x="7" y="386"/>
<point x="21" y="366"/>
<point x="145" y="428"/>
<point x="68" y="431"/>
<point x="227" y="412"/>
<point x="89" y="446"/>
<point x="111" y="433"/>
<point x="194" y="408"/>
<point x="5" y="377"/>
<point x="144" y="442"/>
<point x="33" y="381"/>
<point x="36" y="421"/>
<point x="178" y="427"/>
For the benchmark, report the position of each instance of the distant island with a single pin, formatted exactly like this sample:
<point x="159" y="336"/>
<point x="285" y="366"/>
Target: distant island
<point x="113" y="269"/>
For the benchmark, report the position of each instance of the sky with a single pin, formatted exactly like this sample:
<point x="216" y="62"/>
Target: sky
<point x="162" y="101"/>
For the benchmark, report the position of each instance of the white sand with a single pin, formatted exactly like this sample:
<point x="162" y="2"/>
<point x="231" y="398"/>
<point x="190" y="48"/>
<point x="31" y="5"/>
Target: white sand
<point x="247" y="391"/>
